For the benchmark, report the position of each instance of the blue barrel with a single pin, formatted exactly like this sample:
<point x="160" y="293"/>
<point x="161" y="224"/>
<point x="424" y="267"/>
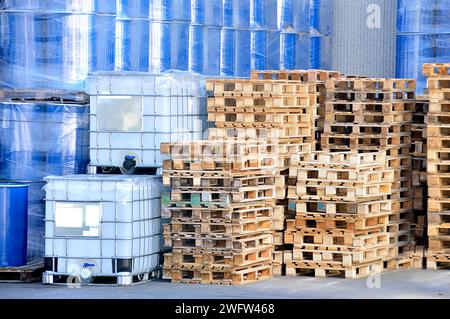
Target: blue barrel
<point x="228" y="41"/>
<point x="132" y="9"/>
<point x="243" y="57"/>
<point x="413" y="50"/>
<point x="236" y="14"/>
<point x="442" y="16"/>
<point x="86" y="6"/>
<point x="415" y="15"/>
<point x="443" y="48"/>
<point x="258" y="51"/>
<point x="263" y="14"/>
<point x="36" y="216"/>
<point x="204" y="50"/>
<point x="13" y="224"/>
<point x="170" y="10"/>
<point x="294" y="15"/>
<point x="273" y="52"/>
<point x="169" y="46"/>
<point x="41" y="139"/>
<point x="207" y="12"/>
<point x="288" y="48"/>
<point x="132" y="45"/>
<point x="54" y="50"/>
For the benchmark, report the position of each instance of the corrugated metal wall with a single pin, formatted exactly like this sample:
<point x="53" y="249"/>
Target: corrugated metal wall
<point x="364" y="37"/>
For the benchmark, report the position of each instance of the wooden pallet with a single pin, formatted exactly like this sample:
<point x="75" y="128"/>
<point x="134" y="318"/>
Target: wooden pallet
<point x="304" y="100"/>
<point x="371" y="85"/>
<point x="307" y="76"/>
<point x="346" y="256"/>
<point x="439" y="107"/>
<point x="364" y="118"/>
<point x="220" y="277"/>
<point x="256" y="88"/>
<point x="336" y="237"/>
<point x="199" y="195"/>
<point x="220" y="242"/>
<point x="28" y="273"/>
<point x="367" y="129"/>
<point x="203" y="260"/>
<point x="331" y="269"/>
<point x="235" y="212"/>
<point x="364" y="208"/>
<point x="337" y="221"/>
<point x="217" y="179"/>
<point x="356" y="192"/>
<point x="44" y="95"/>
<point x="249" y="226"/>
<point x="369" y="107"/>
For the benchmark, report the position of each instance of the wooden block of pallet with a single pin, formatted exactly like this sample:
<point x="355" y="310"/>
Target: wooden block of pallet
<point x="436" y="70"/>
<point x="438" y="261"/>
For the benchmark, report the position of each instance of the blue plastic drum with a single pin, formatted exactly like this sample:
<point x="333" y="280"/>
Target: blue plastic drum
<point x="13" y="224"/>
<point x="132" y="45"/>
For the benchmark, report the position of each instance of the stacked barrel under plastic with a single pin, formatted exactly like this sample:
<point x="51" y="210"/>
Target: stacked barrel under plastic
<point x="57" y="43"/>
<point x="422" y="37"/>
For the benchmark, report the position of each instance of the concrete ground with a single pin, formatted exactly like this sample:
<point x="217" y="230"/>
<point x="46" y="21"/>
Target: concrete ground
<point x="419" y="284"/>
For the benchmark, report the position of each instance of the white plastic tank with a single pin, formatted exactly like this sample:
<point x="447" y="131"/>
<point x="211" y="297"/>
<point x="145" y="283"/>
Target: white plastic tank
<point x="102" y="225"/>
<point x="133" y="113"/>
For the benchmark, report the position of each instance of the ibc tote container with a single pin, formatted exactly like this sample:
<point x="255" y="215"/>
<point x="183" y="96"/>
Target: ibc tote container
<point x="133" y="113"/>
<point x="102" y="225"/>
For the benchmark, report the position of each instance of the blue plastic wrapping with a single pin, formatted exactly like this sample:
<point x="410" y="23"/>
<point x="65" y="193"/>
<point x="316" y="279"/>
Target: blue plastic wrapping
<point x="294" y="51"/>
<point x="54" y="50"/>
<point x="207" y="12"/>
<point x="40" y="139"/>
<point x="133" y="9"/>
<point x="321" y="24"/>
<point x="132" y="45"/>
<point x="86" y="6"/>
<point x="423" y="37"/>
<point x="170" y="10"/>
<point x="13" y="224"/>
<point x="56" y="43"/>
<point x="429" y="16"/>
<point x="169" y="46"/>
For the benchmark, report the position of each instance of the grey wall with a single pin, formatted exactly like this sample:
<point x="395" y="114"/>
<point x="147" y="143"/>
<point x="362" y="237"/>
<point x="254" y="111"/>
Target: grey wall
<point x="361" y="45"/>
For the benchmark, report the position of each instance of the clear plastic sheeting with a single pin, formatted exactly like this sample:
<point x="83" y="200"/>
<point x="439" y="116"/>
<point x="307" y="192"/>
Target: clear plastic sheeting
<point x="105" y="220"/>
<point x="36" y="225"/>
<point x="321" y="25"/>
<point x="42" y="138"/>
<point x="57" y="43"/>
<point x="148" y="110"/>
<point x="423" y="36"/>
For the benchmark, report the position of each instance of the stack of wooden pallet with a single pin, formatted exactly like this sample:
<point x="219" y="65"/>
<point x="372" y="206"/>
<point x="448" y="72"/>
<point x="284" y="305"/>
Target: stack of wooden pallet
<point x="367" y="115"/>
<point x="438" y="134"/>
<point x="221" y="208"/>
<point x="419" y="169"/>
<point x="314" y="77"/>
<point x="278" y="112"/>
<point x="342" y="214"/>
